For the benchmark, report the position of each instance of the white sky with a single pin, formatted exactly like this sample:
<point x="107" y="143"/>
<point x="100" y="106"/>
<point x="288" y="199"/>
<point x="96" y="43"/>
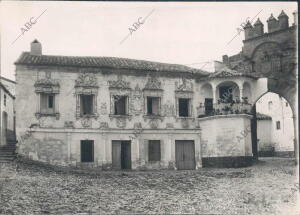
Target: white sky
<point x="182" y="33"/>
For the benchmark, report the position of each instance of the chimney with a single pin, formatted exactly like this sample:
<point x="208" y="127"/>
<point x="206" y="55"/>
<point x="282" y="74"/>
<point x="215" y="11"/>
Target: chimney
<point x="272" y="24"/>
<point x="36" y="47"/>
<point x="295" y="18"/>
<point x="258" y="28"/>
<point x="248" y="31"/>
<point x="225" y="59"/>
<point x="283" y="20"/>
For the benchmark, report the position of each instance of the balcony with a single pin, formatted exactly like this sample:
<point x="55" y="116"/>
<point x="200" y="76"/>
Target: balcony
<point x="224" y="108"/>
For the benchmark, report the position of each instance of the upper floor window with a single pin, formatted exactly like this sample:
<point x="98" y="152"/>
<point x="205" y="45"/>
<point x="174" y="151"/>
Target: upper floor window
<point x="86" y="104"/>
<point x="184" y="109"/>
<point x="4" y="100"/>
<point x="120" y="104"/>
<point x="278" y="125"/>
<point x="153" y="105"/>
<point x="47" y="103"/>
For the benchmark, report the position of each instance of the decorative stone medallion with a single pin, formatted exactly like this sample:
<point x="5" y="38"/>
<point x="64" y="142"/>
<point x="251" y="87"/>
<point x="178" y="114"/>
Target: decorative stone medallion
<point x="121" y="122"/>
<point x="69" y="124"/>
<point x="169" y="125"/>
<point x="103" y="125"/>
<point x="86" y="122"/>
<point x="153" y="123"/>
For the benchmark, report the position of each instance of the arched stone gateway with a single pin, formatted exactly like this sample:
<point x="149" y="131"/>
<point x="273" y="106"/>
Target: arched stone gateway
<point x="271" y="55"/>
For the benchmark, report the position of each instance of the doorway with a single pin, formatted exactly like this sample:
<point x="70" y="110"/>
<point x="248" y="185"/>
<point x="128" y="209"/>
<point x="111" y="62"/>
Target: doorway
<point x="121" y="154"/>
<point x="185" y="154"/>
<point x="87" y="150"/>
<point x="4" y="128"/>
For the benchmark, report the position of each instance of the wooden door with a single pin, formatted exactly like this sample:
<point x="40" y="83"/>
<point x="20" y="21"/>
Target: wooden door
<point x="116" y="154"/>
<point x="4" y="128"/>
<point x="185" y="154"/>
<point x="87" y="151"/>
<point x="126" y="155"/>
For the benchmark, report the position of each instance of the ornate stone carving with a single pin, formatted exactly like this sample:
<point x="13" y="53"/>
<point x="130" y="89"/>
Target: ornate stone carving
<point x="153" y="84"/>
<point x="121" y="122"/>
<point x="185" y="123"/>
<point x="103" y="108"/>
<point x="136" y="104"/>
<point x="186" y="85"/>
<point x="86" y="122"/>
<point x="153" y="123"/>
<point x="137" y="125"/>
<point x="267" y="58"/>
<point x="119" y="84"/>
<point x="103" y="125"/>
<point x="169" y="109"/>
<point x="86" y="80"/>
<point x="169" y="125"/>
<point x="69" y="124"/>
<point x="47" y="85"/>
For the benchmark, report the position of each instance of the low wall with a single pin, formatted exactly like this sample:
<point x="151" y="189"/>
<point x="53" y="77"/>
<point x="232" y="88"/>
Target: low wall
<point x="226" y="140"/>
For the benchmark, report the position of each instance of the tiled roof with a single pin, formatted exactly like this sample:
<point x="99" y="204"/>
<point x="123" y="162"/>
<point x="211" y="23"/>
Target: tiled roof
<point x="6" y="90"/>
<point x="103" y="62"/>
<point x="226" y="72"/>
<point x="261" y="116"/>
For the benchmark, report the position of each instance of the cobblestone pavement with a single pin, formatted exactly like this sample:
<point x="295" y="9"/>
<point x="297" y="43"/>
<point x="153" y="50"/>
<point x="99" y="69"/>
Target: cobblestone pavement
<point x="268" y="187"/>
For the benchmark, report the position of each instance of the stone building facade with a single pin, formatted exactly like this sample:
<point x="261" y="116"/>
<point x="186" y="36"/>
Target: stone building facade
<point x="117" y="113"/>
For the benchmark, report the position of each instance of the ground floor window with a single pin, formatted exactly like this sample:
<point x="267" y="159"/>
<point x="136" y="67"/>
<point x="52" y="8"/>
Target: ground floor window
<point x="87" y="151"/>
<point x="154" y="150"/>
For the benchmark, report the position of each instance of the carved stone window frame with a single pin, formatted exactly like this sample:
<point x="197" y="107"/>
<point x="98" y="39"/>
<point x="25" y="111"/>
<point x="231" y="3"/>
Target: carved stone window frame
<point x="184" y="95"/>
<point x="47" y="86"/>
<point x="119" y="88"/>
<point x="118" y="92"/>
<point x="153" y="93"/>
<point x="86" y="84"/>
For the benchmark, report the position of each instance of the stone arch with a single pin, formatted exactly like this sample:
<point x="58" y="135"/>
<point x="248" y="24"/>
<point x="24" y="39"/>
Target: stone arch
<point x="206" y="92"/>
<point x="254" y="123"/>
<point x="226" y="89"/>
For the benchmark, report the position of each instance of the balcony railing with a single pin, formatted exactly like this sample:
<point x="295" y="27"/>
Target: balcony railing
<point x="224" y="109"/>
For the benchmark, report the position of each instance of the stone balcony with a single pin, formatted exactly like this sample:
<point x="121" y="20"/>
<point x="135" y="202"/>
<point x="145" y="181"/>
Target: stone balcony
<point x="224" y="109"/>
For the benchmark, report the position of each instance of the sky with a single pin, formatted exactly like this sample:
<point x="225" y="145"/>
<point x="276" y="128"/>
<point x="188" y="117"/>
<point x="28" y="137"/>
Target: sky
<point x="188" y="33"/>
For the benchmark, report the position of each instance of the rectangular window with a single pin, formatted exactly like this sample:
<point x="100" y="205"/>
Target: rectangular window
<point x="154" y="150"/>
<point x="47" y="103"/>
<point x="153" y="105"/>
<point x="278" y="125"/>
<point x="86" y="104"/>
<point x="184" y="107"/>
<point x="120" y="105"/>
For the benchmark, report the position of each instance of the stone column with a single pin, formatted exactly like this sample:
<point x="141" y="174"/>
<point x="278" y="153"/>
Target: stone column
<point x="172" y="150"/>
<point x="214" y="89"/>
<point x="101" y="149"/>
<point x="69" y="147"/>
